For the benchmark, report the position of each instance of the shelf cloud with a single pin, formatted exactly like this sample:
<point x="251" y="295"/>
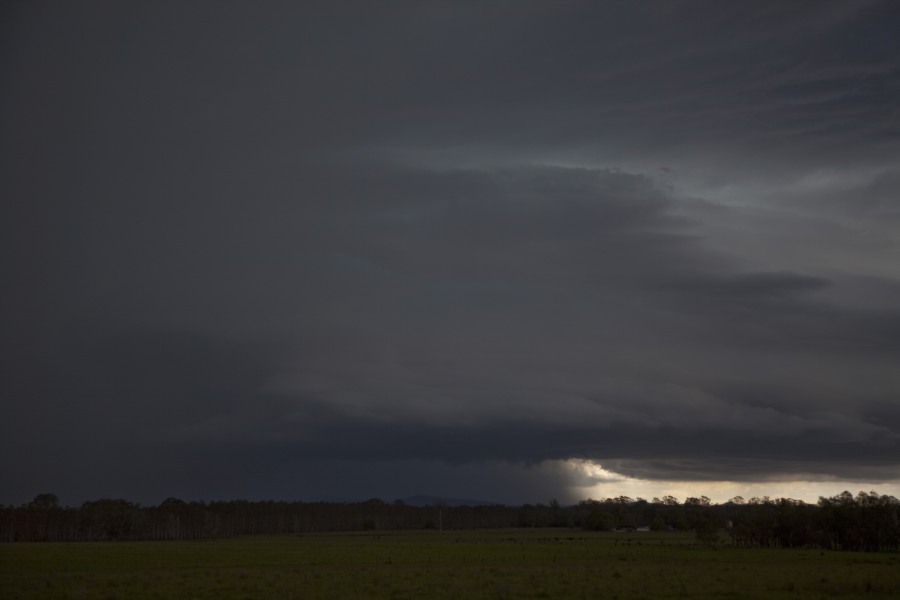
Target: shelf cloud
<point x="311" y="251"/>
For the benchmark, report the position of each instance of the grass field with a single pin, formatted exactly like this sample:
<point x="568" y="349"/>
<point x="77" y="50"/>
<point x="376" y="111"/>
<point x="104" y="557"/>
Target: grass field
<point x="469" y="564"/>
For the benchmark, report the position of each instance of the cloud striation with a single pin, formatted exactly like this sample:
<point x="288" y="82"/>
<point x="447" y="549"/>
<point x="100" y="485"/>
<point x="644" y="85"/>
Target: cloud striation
<point x="309" y="252"/>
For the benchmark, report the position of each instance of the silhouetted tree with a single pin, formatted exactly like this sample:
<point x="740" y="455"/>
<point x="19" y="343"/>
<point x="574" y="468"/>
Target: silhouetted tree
<point x="44" y="501"/>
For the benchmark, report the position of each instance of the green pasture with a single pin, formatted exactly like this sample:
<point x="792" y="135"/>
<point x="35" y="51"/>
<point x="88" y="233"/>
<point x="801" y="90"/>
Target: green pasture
<point x="469" y="564"/>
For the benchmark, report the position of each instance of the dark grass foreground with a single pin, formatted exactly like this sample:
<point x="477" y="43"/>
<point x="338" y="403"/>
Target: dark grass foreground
<point x="540" y="563"/>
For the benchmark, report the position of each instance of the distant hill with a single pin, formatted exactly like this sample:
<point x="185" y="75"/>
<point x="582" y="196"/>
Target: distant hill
<point x="435" y="500"/>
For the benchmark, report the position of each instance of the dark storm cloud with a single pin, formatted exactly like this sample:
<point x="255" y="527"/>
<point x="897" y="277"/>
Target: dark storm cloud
<point x="512" y="316"/>
<point x="245" y="243"/>
<point x="752" y="286"/>
<point x="647" y="80"/>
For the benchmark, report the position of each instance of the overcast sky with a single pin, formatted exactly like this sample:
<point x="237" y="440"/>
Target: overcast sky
<point x="509" y="251"/>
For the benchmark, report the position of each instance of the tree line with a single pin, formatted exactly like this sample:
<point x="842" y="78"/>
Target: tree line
<point x="865" y="522"/>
